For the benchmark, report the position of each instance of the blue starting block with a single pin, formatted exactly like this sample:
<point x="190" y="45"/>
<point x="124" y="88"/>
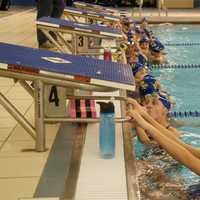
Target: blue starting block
<point x="82" y="35"/>
<point x="93" y="7"/>
<point x="89" y="16"/>
<point x="45" y="68"/>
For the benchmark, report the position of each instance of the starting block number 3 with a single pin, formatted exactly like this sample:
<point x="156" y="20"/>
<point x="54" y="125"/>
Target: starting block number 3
<point x="80" y="41"/>
<point x="55" y="101"/>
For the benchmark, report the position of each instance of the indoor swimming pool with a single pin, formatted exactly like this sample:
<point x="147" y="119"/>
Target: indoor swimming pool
<point x="183" y="85"/>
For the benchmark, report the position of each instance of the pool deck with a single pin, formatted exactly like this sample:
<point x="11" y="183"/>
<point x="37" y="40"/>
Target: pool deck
<point x="25" y="173"/>
<point x="181" y="16"/>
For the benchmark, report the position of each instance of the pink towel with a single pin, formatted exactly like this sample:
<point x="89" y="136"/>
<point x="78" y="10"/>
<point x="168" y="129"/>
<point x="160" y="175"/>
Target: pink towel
<point x="83" y="108"/>
<point x="93" y="108"/>
<point x="72" y="110"/>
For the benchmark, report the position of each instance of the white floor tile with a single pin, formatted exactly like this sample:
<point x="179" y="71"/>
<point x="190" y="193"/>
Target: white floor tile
<point x="23" y="149"/>
<point x="15" y="188"/>
<point x="17" y="92"/>
<point x="19" y="134"/>
<point x="6" y="82"/>
<point x="7" y="122"/>
<point x="4" y="133"/>
<point x="5" y="89"/>
<point x="21" y="166"/>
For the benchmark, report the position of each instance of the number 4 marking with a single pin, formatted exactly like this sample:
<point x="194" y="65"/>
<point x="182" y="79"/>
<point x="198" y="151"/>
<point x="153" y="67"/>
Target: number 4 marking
<point x="53" y="97"/>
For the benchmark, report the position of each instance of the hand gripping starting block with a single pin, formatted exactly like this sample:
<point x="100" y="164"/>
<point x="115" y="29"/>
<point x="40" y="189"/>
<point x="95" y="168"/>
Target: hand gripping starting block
<point x="93" y="7"/>
<point x="82" y="35"/>
<point x="45" y="68"/>
<point x="89" y="17"/>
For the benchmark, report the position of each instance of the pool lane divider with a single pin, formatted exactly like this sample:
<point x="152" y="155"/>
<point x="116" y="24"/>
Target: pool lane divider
<point x="175" y="66"/>
<point x="183" y="44"/>
<point x="184" y="114"/>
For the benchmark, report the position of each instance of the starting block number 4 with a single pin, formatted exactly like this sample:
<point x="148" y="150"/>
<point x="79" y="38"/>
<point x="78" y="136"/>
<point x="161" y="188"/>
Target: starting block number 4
<point x="55" y="101"/>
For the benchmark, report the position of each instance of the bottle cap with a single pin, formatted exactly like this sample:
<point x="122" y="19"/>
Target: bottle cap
<point x="106" y="107"/>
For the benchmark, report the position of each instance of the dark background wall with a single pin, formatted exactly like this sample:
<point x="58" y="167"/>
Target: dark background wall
<point x="23" y="2"/>
<point x="196" y="3"/>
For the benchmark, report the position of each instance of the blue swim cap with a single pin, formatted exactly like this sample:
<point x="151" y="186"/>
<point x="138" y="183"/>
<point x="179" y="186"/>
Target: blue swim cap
<point x="130" y="35"/>
<point x="144" y="40"/>
<point x="136" y="67"/>
<point x="146" y="89"/>
<point x="159" y="44"/>
<point x="142" y="59"/>
<point x="155" y="49"/>
<point x="165" y="101"/>
<point x="149" y="79"/>
<point x="148" y="33"/>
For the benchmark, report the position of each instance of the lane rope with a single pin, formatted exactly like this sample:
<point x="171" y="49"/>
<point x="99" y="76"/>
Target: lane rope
<point x="175" y="66"/>
<point x="184" y="114"/>
<point x="183" y="44"/>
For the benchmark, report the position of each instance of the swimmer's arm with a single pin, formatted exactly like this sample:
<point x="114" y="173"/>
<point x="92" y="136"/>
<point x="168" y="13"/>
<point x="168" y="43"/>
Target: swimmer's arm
<point x="175" y="131"/>
<point x="143" y="137"/>
<point x="176" y="150"/>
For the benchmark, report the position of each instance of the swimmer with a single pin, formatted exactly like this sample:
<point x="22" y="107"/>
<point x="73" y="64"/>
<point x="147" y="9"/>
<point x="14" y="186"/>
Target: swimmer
<point x="144" y="46"/>
<point x="139" y="72"/>
<point x="180" y="151"/>
<point x="156" y="56"/>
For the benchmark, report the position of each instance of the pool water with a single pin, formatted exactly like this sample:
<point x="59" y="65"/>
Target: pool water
<point x="182" y="84"/>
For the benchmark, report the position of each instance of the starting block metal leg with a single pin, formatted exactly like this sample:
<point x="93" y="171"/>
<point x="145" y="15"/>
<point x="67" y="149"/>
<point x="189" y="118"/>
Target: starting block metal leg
<point x="48" y="35"/>
<point x="75" y="50"/>
<point x="69" y="46"/>
<point x="39" y="116"/>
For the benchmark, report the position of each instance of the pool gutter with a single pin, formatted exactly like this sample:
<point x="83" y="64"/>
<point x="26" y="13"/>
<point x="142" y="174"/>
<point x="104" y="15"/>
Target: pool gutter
<point x="133" y="191"/>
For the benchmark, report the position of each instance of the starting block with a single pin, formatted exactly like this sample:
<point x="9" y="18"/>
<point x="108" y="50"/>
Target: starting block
<point x="83" y="36"/>
<point x="89" y="17"/>
<point x="93" y="7"/>
<point x="61" y="71"/>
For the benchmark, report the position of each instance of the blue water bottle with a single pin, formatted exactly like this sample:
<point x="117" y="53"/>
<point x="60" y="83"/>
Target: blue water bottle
<point x="107" y="130"/>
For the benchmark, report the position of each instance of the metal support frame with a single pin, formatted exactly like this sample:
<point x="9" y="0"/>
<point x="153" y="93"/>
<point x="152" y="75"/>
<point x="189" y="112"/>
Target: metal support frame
<point x="38" y="133"/>
<point x="88" y="17"/>
<point x="39" y="116"/>
<point x="95" y="8"/>
<point x="80" y="120"/>
<point x="73" y="47"/>
<point x="49" y="36"/>
<point x="70" y="17"/>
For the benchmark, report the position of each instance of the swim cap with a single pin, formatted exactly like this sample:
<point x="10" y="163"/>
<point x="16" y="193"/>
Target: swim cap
<point x="165" y="101"/>
<point x="146" y="88"/>
<point x="144" y="40"/>
<point x="136" y="68"/>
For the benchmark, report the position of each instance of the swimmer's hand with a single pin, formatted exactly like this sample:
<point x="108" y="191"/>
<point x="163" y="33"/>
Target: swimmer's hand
<point x="136" y="106"/>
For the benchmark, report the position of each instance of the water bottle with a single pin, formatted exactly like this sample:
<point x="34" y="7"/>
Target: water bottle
<point x="107" y="54"/>
<point x="107" y="130"/>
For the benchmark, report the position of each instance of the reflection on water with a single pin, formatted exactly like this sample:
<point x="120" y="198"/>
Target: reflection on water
<point x="161" y="177"/>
